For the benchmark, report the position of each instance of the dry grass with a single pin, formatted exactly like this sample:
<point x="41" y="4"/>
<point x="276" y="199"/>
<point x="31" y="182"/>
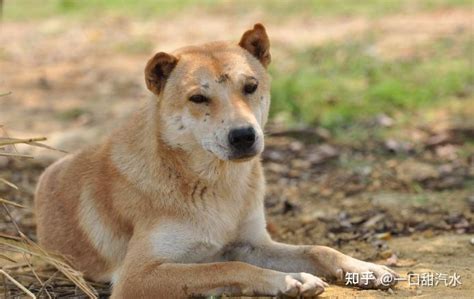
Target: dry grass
<point x="6" y="142"/>
<point x="28" y="269"/>
<point x="37" y="260"/>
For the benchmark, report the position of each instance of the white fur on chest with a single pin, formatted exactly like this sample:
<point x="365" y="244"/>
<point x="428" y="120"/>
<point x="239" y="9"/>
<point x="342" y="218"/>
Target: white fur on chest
<point x="198" y="240"/>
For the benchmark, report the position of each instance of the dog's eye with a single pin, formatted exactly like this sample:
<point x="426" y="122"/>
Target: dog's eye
<point x="198" y="99"/>
<point x="250" y="88"/>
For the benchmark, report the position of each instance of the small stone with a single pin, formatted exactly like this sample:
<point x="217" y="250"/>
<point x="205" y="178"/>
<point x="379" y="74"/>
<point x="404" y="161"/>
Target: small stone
<point x="326" y="192"/>
<point x="301" y="164"/>
<point x="386" y="254"/>
<point x="392" y="260"/>
<point x="328" y="150"/>
<point x="438" y="139"/>
<point x="296" y="146"/>
<point x="275" y="167"/>
<point x="428" y="234"/>
<point x="307" y="219"/>
<point x="384" y="120"/>
<point x="373" y="220"/>
<point x="275" y="156"/>
<point x="411" y="170"/>
<point x="447" y="151"/>
<point x="384" y="236"/>
<point x="323" y="133"/>
<point x="294" y="173"/>
<point x="398" y="146"/>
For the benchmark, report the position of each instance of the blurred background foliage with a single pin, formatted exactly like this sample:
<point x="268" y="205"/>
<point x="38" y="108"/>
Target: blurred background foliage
<point x="329" y="84"/>
<point x="27" y="9"/>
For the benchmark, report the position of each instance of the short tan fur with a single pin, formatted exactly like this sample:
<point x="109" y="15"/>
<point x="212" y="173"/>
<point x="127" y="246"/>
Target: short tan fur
<point x="170" y="205"/>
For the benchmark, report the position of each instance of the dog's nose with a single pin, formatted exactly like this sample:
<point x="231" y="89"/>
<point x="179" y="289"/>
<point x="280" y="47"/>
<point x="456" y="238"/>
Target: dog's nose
<point x="242" y="139"/>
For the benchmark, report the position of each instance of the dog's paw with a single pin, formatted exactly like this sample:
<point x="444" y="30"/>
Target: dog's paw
<point x="366" y="275"/>
<point x="302" y="284"/>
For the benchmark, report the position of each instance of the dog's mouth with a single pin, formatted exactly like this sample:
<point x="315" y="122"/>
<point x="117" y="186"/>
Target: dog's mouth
<point x="243" y="157"/>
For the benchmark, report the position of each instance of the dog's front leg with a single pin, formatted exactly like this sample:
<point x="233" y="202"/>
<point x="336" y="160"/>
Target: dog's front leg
<point x="143" y="275"/>
<point x="318" y="260"/>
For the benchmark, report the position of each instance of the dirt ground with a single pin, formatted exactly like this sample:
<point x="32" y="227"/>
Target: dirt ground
<point x="435" y="254"/>
<point x="407" y="205"/>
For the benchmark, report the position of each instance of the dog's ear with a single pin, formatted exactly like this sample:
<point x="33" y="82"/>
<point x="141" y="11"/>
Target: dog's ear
<point x="257" y="43"/>
<point x="157" y="71"/>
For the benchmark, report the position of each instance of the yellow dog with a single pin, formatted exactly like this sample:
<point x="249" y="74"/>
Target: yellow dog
<point x="171" y="204"/>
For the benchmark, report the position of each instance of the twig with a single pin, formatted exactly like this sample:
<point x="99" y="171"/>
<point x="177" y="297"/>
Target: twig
<point x="8" y="141"/>
<point x="43" y="287"/>
<point x="10" y="237"/>
<point x="14" y="155"/>
<point x="7" y="136"/>
<point x="8" y="183"/>
<point x="2" y="256"/>
<point x="16" y="266"/>
<point x="5" y="286"/>
<point x="63" y="279"/>
<point x="4" y="201"/>
<point x="30" y="141"/>
<point x="19" y="285"/>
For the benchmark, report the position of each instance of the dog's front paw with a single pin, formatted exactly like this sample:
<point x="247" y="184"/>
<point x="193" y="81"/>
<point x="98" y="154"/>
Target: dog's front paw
<point x="366" y="275"/>
<point x="302" y="284"/>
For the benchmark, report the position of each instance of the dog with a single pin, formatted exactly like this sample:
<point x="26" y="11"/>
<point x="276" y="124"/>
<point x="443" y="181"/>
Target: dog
<point x="170" y="205"/>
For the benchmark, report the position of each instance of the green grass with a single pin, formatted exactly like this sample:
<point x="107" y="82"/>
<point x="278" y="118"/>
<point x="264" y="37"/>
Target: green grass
<point x="341" y="82"/>
<point x="31" y="9"/>
<point x="370" y="8"/>
<point x="34" y="9"/>
<point x="71" y="114"/>
<point x="136" y="45"/>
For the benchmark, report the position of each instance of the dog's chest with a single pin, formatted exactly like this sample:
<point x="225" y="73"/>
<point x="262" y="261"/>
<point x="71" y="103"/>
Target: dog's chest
<point x="201" y="239"/>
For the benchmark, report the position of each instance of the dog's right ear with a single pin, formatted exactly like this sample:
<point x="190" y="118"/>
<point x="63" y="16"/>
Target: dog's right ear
<point x="257" y="43"/>
<point x="157" y="71"/>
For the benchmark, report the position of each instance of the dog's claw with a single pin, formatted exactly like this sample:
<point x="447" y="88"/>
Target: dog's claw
<point x="303" y="284"/>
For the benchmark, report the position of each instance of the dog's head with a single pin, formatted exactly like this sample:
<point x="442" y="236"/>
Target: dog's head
<point x="214" y="97"/>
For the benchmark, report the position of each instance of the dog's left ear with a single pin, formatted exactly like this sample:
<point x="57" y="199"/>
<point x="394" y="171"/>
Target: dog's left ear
<point x="257" y="43"/>
<point x="157" y="71"/>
